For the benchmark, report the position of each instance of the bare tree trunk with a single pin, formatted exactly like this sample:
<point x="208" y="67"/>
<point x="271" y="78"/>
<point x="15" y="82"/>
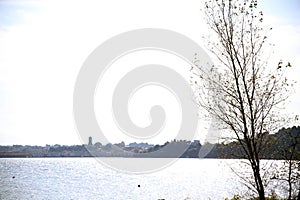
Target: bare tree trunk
<point x="290" y="180"/>
<point x="242" y="94"/>
<point x="259" y="182"/>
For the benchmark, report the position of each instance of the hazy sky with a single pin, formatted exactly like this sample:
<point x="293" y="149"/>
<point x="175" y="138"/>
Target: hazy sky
<point x="44" y="43"/>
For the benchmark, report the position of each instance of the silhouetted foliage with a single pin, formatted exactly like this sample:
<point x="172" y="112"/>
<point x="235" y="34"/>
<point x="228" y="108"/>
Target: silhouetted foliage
<point x="241" y="92"/>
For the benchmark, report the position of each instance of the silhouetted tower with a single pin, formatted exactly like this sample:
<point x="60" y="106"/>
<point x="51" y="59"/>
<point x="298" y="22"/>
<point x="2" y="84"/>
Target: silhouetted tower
<point x="90" y="140"/>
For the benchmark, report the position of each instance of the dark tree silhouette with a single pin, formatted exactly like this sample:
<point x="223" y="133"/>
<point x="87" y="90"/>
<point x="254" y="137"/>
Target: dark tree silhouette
<point x="241" y="92"/>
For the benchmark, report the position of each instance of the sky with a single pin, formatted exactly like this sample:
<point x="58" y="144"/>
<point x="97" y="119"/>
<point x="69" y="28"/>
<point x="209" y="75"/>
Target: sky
<point x="43" y="45"/>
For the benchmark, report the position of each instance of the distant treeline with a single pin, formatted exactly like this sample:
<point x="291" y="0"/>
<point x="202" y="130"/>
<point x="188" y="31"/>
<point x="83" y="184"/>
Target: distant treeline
<point x="274" y="146"/>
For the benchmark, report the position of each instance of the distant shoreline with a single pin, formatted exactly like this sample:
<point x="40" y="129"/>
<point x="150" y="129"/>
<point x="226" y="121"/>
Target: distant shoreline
<point x="135" y="158"/>
<point x="277" y="144"/>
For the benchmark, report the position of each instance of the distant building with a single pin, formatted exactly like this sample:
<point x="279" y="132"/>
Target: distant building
<point x="90" y="141"/>
<point x="121" y="144"/>
<point x="196" y="142"/>
<point x="139" y="145"/>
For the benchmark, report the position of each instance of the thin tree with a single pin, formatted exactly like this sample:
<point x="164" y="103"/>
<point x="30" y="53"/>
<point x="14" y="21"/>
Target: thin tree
<point x="289" y="172"/>
<point x="241" y="92"/>
<point x="293" y="165"/>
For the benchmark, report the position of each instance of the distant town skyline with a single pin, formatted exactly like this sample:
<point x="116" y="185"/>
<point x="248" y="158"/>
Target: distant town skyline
<point x="44" y="44"/>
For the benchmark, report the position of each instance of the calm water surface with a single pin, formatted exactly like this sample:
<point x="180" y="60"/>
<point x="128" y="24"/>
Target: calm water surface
<point x="85" y="178"/>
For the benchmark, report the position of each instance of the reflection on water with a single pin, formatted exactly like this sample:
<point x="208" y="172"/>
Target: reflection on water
<point x="85" y="178"/>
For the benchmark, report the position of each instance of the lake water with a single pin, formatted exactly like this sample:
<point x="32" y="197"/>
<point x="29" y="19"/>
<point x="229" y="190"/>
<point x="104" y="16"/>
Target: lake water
<point x="85" y="178"/>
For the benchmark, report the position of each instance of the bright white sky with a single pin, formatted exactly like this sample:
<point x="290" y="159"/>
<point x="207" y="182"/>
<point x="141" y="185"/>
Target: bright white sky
<point x="44" y="43"/>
